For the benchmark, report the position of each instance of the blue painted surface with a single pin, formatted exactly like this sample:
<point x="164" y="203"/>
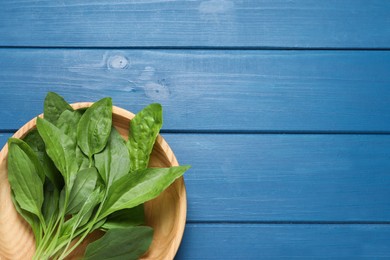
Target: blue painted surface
<point x="285" y="241"/>
<point x="257" y="90"/>
<point x="290" y="148"/>
<point x="304" y="178"/>
<point x="207" y="23"/>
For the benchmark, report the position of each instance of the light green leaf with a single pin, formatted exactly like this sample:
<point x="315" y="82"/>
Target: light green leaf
<point x="144" y="128"/>
<point x="67" y="123"/>
<point x="125" y="218"/>
<point x="118" y="244"/>
<point x="94" y="127"/>
<point x="114" y="161"/>
<point x="25" y="176"/>
<point x="134" y="189"/>
<point x="82" y="217"/>
<point x="83" y="186"/>
<point x="90" y="204"/>
<point x="31" y="219"/>
<point x="82" y="159"/>
<point x="54" y="106"/>
<point x="60" y="148"/>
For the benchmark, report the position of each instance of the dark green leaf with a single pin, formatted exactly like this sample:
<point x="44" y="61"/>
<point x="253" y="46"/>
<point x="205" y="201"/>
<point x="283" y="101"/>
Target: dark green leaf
<point x="61" y="202"/>
<point x="114" y="161"/>
<point x="34" y="140"/>
<point x="98" y="224"/>
<point x="53" y="107"/>
<point x="94" y="127"/>
<point x="144" y="128"/>
<point x="60" y="148"/>
<point x="25" y="175"/>
<point x="118" y="244"/>
<point x="134" y="189"/>
<point x="125" y="218"/>
<point x="82" y="110"/>
<point x="83" y="186"/>
<point x="50" y="202"/>
<point x="81" y="159"/>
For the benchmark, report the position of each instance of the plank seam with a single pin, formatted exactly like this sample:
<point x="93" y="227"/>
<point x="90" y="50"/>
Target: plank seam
<point x="272" y="132"/>
<point x="252" y="132"/>
<point x="211" y="48"/>
<point x="289" y="222"/>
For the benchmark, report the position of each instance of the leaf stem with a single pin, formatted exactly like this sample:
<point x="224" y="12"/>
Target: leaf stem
<point x="95" y="220"/>
<point x="51" y="238"/>
<point x="46" y="237"/>
<point x="90" y="161"/>
<point x="56" y="251"/>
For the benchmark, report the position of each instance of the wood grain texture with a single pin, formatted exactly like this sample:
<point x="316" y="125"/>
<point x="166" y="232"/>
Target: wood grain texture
<point x="215" y="23"/>
<point x="211" y="241"/>
<point x="166" y="213"/>
<point x="287" y="178"/>
<point x="290" y="149"/>
<point x="199" y="90"/>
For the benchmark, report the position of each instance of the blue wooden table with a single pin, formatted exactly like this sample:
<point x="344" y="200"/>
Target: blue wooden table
<point x="282" y="108"/>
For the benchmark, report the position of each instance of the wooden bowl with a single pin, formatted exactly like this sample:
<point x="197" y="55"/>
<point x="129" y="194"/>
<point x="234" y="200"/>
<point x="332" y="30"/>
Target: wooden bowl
<point x="166" y="214"/>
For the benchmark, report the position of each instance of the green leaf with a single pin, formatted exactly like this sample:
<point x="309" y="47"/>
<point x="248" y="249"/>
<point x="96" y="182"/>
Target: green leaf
<point x="68" y="122"/>
<point x="30" y="218"/>
<point x="34" y="140"/>
<point x="125" y="218"/>
<point x="61" y="201"/>
<point x="54" y="106"/>
<point x="114" y="161"/>
<point x="25" y="176"/>
<point x="90" y="204"/>
<point x="83" y="186"/>
<point x="50" y="202"/>
<point x="94" y="127"/>
<point x="82" y="217"/>
<point x="117" y="244"/>
<point x="134" y="189"/>
<point x="81" y="159"/>
<point x="60" y="148"/>
<point x="144" y="128"/>
<point x="98" y="224"/>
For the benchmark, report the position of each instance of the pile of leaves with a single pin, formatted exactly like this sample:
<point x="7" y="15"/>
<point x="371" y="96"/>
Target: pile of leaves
<point x="75" y="174"/>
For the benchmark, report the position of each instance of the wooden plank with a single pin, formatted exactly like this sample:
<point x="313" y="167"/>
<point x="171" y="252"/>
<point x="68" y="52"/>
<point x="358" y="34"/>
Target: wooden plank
<point x="285" y="241"/>
<point x="286" y="177"/>
<point x="336" y="178"/>
<point x="214" y="23"/>
<point x="208" y="90"/>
